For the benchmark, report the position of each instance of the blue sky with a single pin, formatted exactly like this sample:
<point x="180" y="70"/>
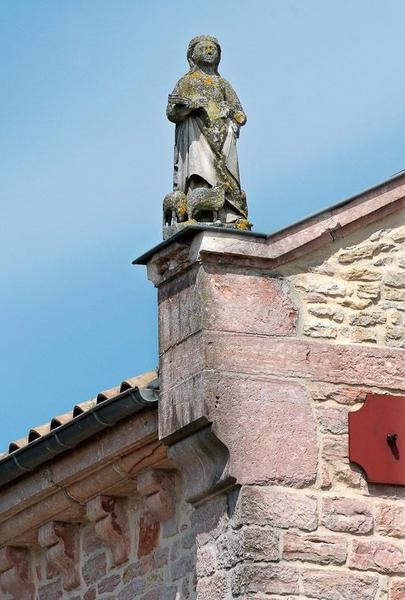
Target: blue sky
<point x="86" y="158"/>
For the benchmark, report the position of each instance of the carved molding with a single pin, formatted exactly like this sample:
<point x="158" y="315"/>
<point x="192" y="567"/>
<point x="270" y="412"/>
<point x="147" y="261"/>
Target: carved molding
<point x="157" y="487"/>
<point x="111" y="525"/>
<point x="202" y="459"/>
<point x="62" y="551"/>
<point x="15" y="573"/>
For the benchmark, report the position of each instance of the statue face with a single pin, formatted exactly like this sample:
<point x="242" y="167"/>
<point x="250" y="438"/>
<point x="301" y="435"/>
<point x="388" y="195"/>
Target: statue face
<point x="206" y="53"/>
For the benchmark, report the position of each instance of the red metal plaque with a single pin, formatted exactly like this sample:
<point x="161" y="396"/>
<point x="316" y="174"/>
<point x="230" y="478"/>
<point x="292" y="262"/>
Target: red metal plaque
<point x="377" y="438"/>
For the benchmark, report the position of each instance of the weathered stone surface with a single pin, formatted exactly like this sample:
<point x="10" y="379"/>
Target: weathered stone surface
<point x="247" y="303"/>
<point x="362" y="274"/>
<point x="361" y="334"/>
<point x="367" y="319"/>
<point x="327" y="311"/>
<point x="298" y="358"/>
<point x="277" y="507"/>
<point x="243" y="410"/>
<point x="211" y="298"/>
<point x="339" y="585"/>
<point x="396" y="294"/>
<point x="271" y="579"/>
<point x="369" y="273"/>
<point x="318" y="330"/>
<point x="397" y="589"/>
<point x="390" y="519"/>
<point x="332" y="419"/>
<point x="213" y="588"/>
<point x="368" y="290"/>
<point x="382" y="556"/>
<point x="347" y="515"/>
<point x="396" y="280"/>
<point x="321" y="549"/>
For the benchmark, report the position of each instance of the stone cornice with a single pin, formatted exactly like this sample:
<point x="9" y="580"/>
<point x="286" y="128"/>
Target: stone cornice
<point x="61" y="490"/>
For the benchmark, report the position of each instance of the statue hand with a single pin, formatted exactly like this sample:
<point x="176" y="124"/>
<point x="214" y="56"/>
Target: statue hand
<point x="179" y="100"/>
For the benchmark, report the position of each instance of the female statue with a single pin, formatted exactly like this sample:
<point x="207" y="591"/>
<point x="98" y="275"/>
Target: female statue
<point x="208" y="116"/>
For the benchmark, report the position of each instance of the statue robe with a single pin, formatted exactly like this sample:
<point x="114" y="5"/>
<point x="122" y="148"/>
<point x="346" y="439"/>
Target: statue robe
<point x="203" y="146"/>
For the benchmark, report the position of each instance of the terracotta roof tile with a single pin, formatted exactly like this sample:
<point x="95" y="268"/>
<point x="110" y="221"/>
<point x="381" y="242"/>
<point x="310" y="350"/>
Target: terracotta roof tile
<point x="146" y="380"/>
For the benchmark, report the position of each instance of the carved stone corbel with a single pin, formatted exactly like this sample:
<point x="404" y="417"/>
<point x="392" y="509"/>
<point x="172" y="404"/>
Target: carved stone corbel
<point x="202" y="459"/>
<point x="111" y="525"/>
<point x="62" y="551"/>
<point x="157" y="487"/>
<point x="15" y="573"/>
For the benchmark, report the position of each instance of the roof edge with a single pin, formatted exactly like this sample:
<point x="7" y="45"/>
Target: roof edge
<point x="71" y="434"/>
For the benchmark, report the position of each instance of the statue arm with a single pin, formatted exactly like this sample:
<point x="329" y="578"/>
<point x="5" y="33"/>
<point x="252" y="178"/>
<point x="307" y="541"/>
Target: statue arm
<point x="236" y="111"/>
<point x="180" y="106"/>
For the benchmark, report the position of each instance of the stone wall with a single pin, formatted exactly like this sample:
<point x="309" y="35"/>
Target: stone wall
<point x="302" y="522"/>
<point x="357" y="294"/>
<point x="147" y="559"/>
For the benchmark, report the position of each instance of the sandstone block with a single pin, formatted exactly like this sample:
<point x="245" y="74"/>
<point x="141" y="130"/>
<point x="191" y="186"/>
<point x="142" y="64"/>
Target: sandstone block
<point x="337" y="393"/>
<point x="356" y="303"/>
<point x="368" y="319"/>
<point x="243" y="409"/>
<point x="395" y="332"/>
<point x="362" y="335"/>
<point x="207" y="561"/>
<point x="260" y="544"/>
<point x="321" y="549"/>
<point x="390" y="519"/>
<point x="277" y="507"/>
<point x="319" y="330"/>
<point x="398" y="234"/>
<point x="332" y="419"/>
<point x="368" y="291"/>
<point x="397" y="589"/>
<point x="313" y="298"/>
<point x="396" y="280"/>
<point x="362" y="274"/>
<point x="348" y="515"/>
<point x="396" y="294"/>
<point x="246" y="303"/>
<point x="272" y="578"/>
<point x="335" y="447"/>
<point x="354" y="253"/>
<point x="328" y="312"/>
<point x="339" y="585"/>
<point x="383" y="556"/>
<point x="211" y="298"/>
<point x="327" y="288"/>
<point x="213" y="588"/>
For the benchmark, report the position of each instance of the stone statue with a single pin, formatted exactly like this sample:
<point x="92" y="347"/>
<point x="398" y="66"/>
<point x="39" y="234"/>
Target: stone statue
<point x="208" y="116"/>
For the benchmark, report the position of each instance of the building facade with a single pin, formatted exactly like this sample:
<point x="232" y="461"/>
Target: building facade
<point x="227" y="474"/>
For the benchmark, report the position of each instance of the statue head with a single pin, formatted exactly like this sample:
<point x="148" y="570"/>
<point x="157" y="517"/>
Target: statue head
<point x="204" y="50"/>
